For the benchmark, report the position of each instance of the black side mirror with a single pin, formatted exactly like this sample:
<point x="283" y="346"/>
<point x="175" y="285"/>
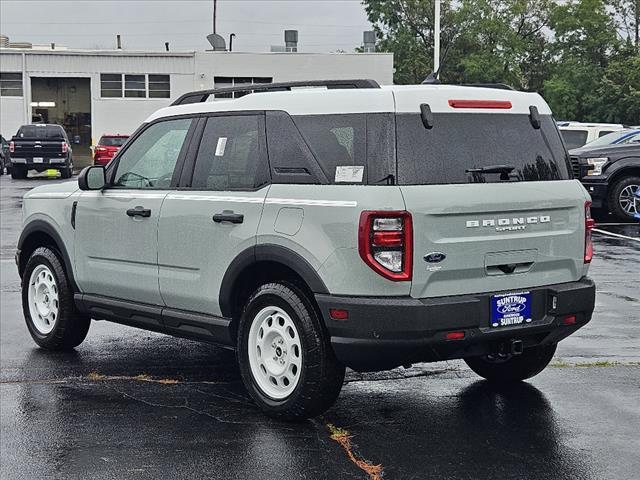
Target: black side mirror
<point x="92" y="178"/>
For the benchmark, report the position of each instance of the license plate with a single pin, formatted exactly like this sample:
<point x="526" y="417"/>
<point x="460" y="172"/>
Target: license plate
<point x="510" y="309"/>
<point x="38" y="159"/>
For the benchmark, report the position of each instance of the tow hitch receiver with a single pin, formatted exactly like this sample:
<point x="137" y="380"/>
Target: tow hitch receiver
<point x="516" y="347"/>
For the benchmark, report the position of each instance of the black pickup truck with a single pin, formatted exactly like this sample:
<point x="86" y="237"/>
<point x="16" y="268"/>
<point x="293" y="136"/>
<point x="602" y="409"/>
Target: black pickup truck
<point x="40" y="147"/>
<point x="611" y="174"/>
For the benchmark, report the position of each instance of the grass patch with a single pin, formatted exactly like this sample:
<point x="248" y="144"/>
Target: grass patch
<point x="343" y="438"/>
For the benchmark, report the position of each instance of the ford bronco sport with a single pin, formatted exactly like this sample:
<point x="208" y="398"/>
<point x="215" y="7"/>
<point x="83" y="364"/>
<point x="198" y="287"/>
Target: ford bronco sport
<point x="312" y="229"/>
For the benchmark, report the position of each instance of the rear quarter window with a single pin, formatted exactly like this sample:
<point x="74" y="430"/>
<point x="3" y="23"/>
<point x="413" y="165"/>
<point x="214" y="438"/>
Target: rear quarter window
<point x="364" y="142"/>
<point x="461" y="141"/>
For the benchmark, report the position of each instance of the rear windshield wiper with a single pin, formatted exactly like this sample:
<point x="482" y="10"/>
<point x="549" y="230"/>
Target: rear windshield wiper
<point x="503" y="170"/>
<point x="492" y="169"/>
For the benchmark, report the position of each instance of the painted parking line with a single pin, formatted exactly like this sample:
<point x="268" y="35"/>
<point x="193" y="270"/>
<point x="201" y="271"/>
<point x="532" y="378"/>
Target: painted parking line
<point x="617" y="235"/>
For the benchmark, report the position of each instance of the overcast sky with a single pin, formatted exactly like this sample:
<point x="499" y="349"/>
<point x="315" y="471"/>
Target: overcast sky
<point x="324" y="25"/>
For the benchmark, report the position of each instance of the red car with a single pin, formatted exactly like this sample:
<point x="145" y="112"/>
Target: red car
<point x="107" y="147"/>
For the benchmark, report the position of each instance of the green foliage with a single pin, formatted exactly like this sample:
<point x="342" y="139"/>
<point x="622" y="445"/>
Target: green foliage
<point x="582" y="55"/>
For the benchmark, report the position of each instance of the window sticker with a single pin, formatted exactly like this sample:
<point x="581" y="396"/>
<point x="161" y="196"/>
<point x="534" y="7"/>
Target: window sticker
<point x="222" y="143"/>
<point x="349" y="173"/>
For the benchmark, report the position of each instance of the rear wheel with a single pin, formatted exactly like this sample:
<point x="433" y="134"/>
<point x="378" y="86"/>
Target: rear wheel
<point x="18" y="173"/>
<point x="47" y="302"/>
<point x="67" y="172"/>
<point x="505" y="368"/>
<point x="286" y="361"/>
<point x="621" y="201"/>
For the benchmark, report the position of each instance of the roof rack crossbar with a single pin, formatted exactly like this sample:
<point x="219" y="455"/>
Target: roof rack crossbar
<point x="203" y="95"/>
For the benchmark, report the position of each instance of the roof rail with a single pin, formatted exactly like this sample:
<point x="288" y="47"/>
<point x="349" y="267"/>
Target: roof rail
<point x="499" y="86"/>
<point x="202" y="95"/>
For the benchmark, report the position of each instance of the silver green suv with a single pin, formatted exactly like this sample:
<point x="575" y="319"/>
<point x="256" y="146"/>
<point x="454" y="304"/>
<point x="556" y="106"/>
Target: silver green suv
<point x="313" y="229"/>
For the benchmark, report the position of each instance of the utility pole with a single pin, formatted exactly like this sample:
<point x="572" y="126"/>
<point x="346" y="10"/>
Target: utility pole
<point x="215" y="5"/>
<point x="436" y="39"/>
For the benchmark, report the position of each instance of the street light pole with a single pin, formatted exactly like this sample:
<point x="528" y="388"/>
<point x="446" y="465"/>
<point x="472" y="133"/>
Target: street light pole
<point x="436" y="39"/>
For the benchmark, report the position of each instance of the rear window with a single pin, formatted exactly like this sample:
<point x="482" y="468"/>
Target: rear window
<point x="461" y="141"/>
<point x="112" y="141"/>
<point x="41" y="131"/>
<point x="574" y="138"/>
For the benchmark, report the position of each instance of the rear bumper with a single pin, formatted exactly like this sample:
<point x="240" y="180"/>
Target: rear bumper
<point x="40" y="166"/>
<point x="383" y="333"/>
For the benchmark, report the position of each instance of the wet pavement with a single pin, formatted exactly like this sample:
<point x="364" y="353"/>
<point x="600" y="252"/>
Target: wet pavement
<point x="134" y="404"/>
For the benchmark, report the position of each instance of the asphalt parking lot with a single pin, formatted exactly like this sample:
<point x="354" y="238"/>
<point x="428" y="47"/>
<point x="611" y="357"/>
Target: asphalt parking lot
<point x="135" y="404"/>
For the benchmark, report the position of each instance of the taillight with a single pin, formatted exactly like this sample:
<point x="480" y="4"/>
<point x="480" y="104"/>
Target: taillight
<point x="65" y="147"/>
<point x="589" y="224"/>
<point x="12" y="147"/>
<point x="385" y="242"/>
<point x="101" y="149"/>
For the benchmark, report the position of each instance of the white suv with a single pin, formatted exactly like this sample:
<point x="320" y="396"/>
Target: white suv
<point x="313" y="229"/>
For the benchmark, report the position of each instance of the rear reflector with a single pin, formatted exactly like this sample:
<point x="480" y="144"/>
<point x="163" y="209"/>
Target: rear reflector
<point x="339" y="314"/>
<point x="454" y="336"/>
<point x="569" y="320"/>
<point x="503" y="104"/>
<point x="589" y="225"/>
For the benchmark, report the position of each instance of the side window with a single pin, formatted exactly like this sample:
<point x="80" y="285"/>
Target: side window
<point x="232" y="154"/>
<point x="150" y="159"/>
<point x="336" y="141"/>
<point x="604" y="132"/>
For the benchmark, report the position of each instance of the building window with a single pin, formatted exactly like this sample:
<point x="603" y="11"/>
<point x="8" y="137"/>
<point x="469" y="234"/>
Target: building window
<point x="225" y="82"/>
<point x="159" y="86"/>
<point x="135" y="86"/>
<point x="111" y="85"/>
<point x="119" y="85"/>
<point x="10" y="84"/>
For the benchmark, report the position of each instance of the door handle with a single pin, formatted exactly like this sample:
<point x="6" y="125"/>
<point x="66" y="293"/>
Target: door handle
<point x="139" y="212"/>
<point x="228" y="216"/>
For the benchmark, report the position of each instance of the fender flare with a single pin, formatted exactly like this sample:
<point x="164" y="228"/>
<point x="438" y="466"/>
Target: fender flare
<point x="40" y="226"/>
<point x="266" y="253"/>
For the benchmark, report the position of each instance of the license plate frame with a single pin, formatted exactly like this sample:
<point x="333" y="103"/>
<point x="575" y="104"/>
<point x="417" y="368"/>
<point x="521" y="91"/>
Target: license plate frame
<point x="510" y="309"/>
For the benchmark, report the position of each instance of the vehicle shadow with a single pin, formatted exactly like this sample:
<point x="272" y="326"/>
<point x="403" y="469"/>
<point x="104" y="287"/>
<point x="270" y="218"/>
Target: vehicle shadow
<point x="481" y="431"/>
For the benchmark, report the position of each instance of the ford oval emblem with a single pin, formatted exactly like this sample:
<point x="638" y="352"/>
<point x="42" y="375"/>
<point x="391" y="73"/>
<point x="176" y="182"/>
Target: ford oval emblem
<point x="434" y="257"/>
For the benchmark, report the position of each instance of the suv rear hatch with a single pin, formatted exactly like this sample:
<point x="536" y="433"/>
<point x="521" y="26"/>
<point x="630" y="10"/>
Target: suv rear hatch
<point x="490" y="195"/>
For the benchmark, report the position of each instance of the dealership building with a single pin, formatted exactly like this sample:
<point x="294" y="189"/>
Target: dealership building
<point x="93" y="92"/>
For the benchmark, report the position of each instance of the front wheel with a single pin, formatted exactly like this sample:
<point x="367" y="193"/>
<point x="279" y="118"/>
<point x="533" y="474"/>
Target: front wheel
<point x="285" y="358"/>
<point x="504" y="368"/>
<point x="621" y="200"/>
<point x="47" y="302"/>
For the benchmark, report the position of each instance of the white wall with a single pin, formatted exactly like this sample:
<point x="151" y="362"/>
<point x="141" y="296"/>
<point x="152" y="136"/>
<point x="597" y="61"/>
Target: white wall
<point x="11" y="115"/>
<point x="285" y="67"/>
<point x="188" y="71"/>
<point x="125" y="115"/>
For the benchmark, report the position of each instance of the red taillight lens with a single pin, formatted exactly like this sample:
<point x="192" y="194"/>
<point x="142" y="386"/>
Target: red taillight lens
<point x="12" y="147"/>
<point x="569" y="320"/>
<point x="589" y="224"/>
<point x="501" y="104"/>
<point x="65" y="147"/>
<point x="385" y="242"/>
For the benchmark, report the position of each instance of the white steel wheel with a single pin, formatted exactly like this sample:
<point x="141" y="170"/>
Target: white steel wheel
<point x="44" y="303"/>
<point x="275" y="352"/>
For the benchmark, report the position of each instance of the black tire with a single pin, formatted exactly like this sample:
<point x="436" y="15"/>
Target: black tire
<point x="70" y="326"/>
<point x="614" y="199"/>
<point x="512" y="368"/>
<point x="18" y="173"/>
<point x="321" y="375"/>
<point x="66" y="172"/>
